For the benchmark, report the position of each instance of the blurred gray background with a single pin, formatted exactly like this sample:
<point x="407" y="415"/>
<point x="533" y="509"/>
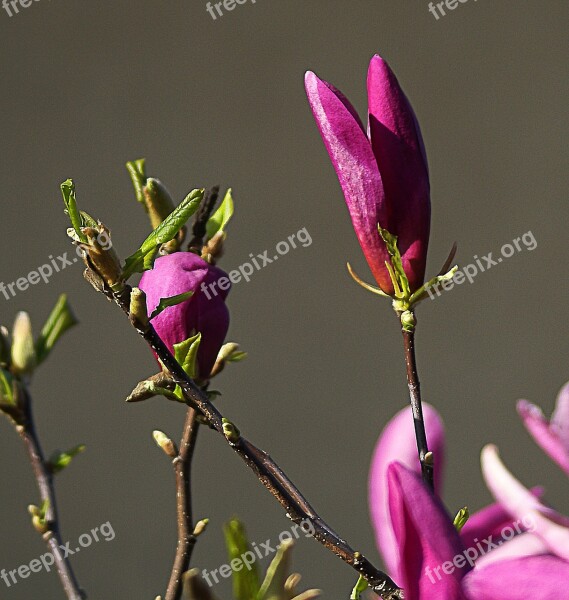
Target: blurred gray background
<point x="90" y="85"/>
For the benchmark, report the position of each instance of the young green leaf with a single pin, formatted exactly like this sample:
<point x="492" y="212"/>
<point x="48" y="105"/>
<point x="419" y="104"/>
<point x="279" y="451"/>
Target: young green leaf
<point x="221" y="217"/>
<point x="360" y="587"/>
<point x="59" y="321"/>
<point x="137" y="171"/>
<point x="166" y="231"/>
<point x="246" y="582"/>
<point x="186" y="353"/>
<point x="171" y="301"/>
<point x="60" y="460"/>
<point x="68" y="192"/>
<point x="461" y="518"/>
<point x="6" y="390"/>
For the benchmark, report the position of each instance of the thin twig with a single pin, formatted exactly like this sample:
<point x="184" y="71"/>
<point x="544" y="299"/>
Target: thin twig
<point x="186" y="538"/>
<point x="44" y="479"/>
<point x="425" y="457"/>
<point x="269" y="473"/>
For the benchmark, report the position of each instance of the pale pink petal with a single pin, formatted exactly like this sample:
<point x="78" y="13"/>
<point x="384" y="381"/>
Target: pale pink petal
<point x="522" y="505"/>
<point x="548" y="436"/>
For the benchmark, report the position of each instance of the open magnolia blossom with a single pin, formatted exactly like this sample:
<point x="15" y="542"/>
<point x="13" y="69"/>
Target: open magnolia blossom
<point x="552" y="436"/>
<point x="203" y="312"/>
<point x="516" y="548"/>
<point x="383" y="171"/>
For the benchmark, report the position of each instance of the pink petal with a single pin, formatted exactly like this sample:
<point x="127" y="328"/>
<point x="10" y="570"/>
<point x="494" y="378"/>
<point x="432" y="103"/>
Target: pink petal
<point x="533" y="578"/>
<point x="560" y="419"/>
<point x="523" y="506"/>
<point x="526" y="544"/>
<point x="355" y="165"/>
<point x="397" y="443"/>
<point x="491" y="520"/>
<point x="400" y="153"/>
<point x="427" y="540"/>
<point x="548" y="437"/>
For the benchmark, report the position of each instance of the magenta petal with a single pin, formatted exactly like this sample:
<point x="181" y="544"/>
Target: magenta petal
<point x="427" y="540"/>
<point x="400" y="154"/>
<point x="523" y="506"/>
<point x="355" y="165"/>
<point x="176" y="274"/>
<point x="397" y="443"/>
<point x="552" y="438"/>
<point x="534" y="578"/>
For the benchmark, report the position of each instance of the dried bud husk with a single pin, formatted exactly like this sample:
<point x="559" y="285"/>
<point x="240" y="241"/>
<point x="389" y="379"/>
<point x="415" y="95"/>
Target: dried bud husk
<point x="213" y="250"/>
<point x="101" y="256"/>
<point x="160" y="384"/>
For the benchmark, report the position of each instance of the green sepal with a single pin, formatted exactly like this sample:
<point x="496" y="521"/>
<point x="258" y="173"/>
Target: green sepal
<point x="273" y="587"/>
<point x="68" y="192"/>
<point x="360" y="587"/>
<point x="59" y="321"/>
<point x="171" y="301"/>
<point x="221" y="217"/>
<point x="246" y="582"/>
<point x="6" y="389"/>
<point x="423" y="291"/>
<point x="5" y="347"/>
<point x="461" y="518"/>
<point x="396" y="270"/>
<point x="186" y="353"/>
<point x="165" y="232"/>
<point x="137" y="171"/>
<point x="60" y="460"/>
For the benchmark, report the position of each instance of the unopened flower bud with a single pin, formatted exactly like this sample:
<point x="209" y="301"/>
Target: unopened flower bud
<point x="200" y="527"/>
<point x="158" y="202"/>
<point x="23" y="349"/>
<point x="164" y="442"/>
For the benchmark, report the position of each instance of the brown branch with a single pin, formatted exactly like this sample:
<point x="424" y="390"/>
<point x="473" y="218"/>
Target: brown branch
<point x="44" y="479"/>
<point x="186" y="538"/>
<point x="269" y="473"/>
<point x="425" y="457"/>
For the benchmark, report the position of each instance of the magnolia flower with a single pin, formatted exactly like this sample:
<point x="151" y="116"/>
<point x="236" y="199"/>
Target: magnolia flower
<point x="204" y="312"/>
<point x="553" y="437"/>
<point x="499" y="554"/>
<point x="383" y="172"/>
